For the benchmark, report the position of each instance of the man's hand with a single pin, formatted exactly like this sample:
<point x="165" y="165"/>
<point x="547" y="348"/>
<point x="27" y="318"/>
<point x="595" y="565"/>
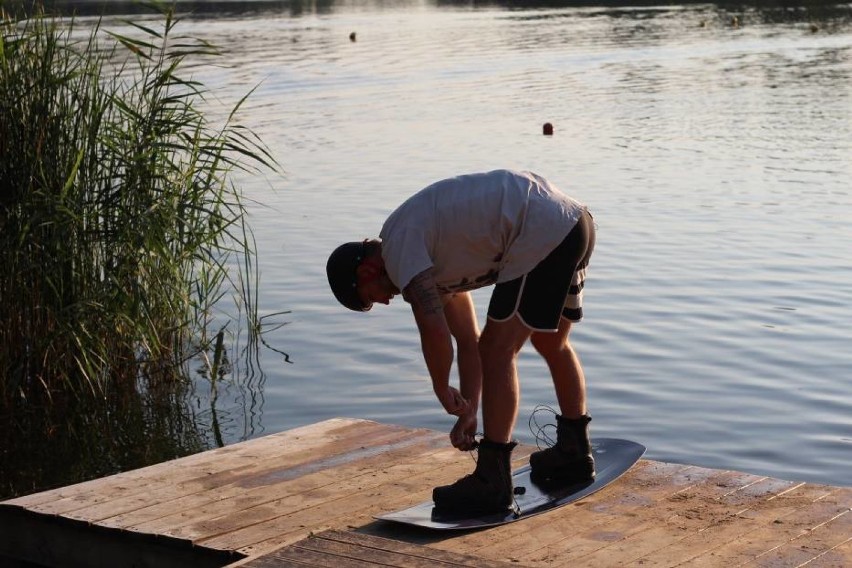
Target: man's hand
<point x="463" y="433"/>
<point x="452" y="401"/>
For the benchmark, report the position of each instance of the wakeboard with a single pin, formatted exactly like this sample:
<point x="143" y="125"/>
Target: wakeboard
<point x="613" y="457"/>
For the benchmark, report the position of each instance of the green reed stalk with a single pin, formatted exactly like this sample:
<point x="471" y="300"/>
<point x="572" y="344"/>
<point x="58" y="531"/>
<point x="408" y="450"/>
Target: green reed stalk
<point x="118" y="219"/>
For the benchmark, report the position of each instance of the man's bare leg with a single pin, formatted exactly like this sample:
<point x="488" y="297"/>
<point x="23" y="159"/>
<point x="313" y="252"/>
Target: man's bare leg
<point x="499" y="345"/>
<point x="565" y="369"/>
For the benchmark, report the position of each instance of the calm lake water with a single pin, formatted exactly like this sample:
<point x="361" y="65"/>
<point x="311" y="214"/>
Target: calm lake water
<point x="715" y="156"/>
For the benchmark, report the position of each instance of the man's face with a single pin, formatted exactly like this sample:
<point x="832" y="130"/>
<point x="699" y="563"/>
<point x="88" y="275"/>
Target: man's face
<point x="375" y="291"/>
<point x="374" y="284"/>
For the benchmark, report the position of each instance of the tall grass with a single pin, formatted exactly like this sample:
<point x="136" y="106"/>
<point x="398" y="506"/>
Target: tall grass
<point x="119" y="222"/>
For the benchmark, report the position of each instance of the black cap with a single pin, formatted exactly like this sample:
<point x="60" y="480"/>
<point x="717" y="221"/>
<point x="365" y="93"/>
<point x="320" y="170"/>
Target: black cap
<point x="342" y="277"/>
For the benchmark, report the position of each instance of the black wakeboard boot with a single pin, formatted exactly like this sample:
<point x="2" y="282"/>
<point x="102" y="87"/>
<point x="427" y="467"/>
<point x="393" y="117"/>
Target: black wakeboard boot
<point x="569" y="461"/>
<point x="487" y="490"/>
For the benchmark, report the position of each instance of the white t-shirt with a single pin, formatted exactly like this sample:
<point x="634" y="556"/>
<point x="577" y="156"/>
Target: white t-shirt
<point x="476" y="230"/>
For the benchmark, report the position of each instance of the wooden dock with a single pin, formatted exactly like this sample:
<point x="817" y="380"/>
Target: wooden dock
<point x="306" y="497"/>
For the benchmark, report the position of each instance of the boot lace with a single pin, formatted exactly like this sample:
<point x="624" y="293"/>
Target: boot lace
<point x="542" y="424"/>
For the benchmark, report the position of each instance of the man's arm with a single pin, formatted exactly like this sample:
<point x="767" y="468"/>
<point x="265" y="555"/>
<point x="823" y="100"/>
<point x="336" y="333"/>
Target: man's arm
<point x="461" y="318"/>
<point x="435" y="339"/>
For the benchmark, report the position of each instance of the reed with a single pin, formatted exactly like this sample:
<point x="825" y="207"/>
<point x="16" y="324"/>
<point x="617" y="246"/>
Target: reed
<point x="121" y="229"/>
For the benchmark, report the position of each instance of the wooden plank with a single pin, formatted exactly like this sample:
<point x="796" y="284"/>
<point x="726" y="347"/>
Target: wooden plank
<point x="234" y="496"/>
<point x="838" y="557"/>
<point x="627" y="537"/>
<point x="322" y="508"/>
<point x="641" y="487"/>
<point x="411" y="550"/>
<point x="354" y="431"/>
<point x="660" y="542"/>
<point x="333" y="549"/>
<point x="720" y="519"/>
<point x="296" y="556"/>
<point x="405" y="485"/>
<point x="371" y="555"/>
<point x="796" y="513"/>
<point x="266" y="496"/>
<point x="203" y="471"/>
<point x="759" y="517"/>
<point x="668" y="526"/>
<point x="809" y="544"/>
<point x="251" y="485"/>
<point x="272" y="562"/>
<point x="287" y="497"/>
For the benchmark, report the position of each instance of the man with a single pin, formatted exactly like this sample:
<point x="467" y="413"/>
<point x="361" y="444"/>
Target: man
<point x="515" y="230"/>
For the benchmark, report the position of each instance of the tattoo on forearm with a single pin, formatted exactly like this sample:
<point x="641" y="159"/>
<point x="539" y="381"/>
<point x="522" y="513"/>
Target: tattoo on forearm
<point x="424" y="295"/>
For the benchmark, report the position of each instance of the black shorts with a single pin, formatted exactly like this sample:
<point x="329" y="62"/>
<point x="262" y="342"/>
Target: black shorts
<point x="554" y="288"/>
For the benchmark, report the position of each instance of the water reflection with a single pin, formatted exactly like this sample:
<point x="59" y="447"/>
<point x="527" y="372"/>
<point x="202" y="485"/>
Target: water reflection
<point x="65" y="440"/>
<point x="68" y="438"/>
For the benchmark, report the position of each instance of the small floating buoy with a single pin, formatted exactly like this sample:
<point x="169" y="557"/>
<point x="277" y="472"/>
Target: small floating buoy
<point x="547" y="129"/>
<point x="352" y="36"/>
<point x="814" y="28"/>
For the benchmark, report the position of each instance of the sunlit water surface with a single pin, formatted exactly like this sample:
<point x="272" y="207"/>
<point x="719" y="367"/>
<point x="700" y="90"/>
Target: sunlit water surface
<point x="715" y="158"/>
